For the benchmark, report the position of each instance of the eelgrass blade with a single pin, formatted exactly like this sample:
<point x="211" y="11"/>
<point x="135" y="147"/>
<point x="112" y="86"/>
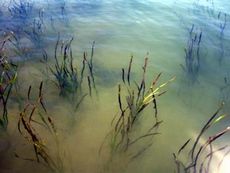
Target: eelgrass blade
<point x="41" y="98"/>
<point x="55" y="52"/>
<point x="155" y="126"/>
<point x="123" y="75"/>
<point x="119" y="98"/>
<point x="80" y="101"/>
<point x="183" y="146"/>
<point x="143" y="136"/>
<point x="89" y="85"/>
<point x="129" y="69"/>
<point x="156" y="79"/>
<point x="28" y="93"/>
<point x="92" y="54"/>
<point x="83" y="66"/>
<point x="206" y="126"/>
<point x="31" y="114"/>
<point x="141" y="151"/>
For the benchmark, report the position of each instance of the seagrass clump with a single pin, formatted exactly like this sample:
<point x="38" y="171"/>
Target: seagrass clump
<point x="201" y="153"/>
<point x="192" y="57"/>
<point x="32" y="118"/>
<point x="8" y="76"/>
<point x="69" y="77"/>
<point x="133" y="100"/>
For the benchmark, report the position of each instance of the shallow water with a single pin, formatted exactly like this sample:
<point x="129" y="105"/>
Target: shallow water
<point x="121" y="28"/>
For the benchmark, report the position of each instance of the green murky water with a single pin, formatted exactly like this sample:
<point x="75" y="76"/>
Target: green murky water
<point x="120" y="28"/>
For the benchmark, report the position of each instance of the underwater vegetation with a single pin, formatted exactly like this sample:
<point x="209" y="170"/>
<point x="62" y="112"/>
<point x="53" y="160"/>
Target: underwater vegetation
<point x="25" y="22"/>
<point x="68" y="77"/>
<point x="29" y="25"/>
<point x="201" y="153"/>
<point x="35" y="33"/>
<point x="21" y="10"/>
<point x="64" y="16"/>
<point x="133" y="102"/>
<point x="8" y="76"/>
<point x="35" y="114"/>
<point x="222" y="26"/>
<point x="225" y="92"/>
<point x="201" y="9"/>
<point x="206" y="17"/>
<point x="57" y="14"/>
<point x="22" y="16"/>
<point x="125" y="126"/>
<point x="192" y="54"/>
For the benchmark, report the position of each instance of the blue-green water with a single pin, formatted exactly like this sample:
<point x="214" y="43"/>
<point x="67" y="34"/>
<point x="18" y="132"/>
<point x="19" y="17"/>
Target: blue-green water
<point x="121" y="28"/>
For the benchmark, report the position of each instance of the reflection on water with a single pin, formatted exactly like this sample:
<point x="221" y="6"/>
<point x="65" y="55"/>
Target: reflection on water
<point x="120" y="28"/>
